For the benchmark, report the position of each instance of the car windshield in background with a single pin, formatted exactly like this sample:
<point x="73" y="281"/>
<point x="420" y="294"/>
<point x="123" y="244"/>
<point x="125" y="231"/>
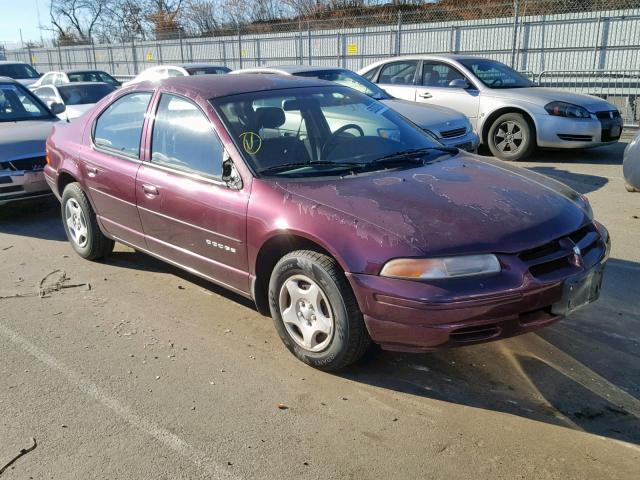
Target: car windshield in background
<point x="92" y="76"/>
<point x="84" y="94"/>
<point x="17" y="104"/>
<point x="18" y="71"/>
<point x="348" y="79"/>
<point x="322" y="131"/>
<point x="207" y="71"/>
<point x="495" y="74"/>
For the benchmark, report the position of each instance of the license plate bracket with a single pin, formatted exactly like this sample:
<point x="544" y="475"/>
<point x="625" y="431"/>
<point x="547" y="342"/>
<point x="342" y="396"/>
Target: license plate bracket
<point x="579" y="291"/>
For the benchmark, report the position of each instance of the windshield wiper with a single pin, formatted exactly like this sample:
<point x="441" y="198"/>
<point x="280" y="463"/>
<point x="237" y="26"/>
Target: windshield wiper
<point x="413" y="156"/>
<point x="322" y="163"/>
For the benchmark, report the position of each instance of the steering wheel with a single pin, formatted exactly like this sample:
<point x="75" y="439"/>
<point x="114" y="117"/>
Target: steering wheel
<point x="334" y="136"/>
<point x="497" y="82"/>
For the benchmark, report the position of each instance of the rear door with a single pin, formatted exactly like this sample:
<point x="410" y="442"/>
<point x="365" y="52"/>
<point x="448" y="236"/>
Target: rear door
<point x="111" y="163"/>
<point x="433" y="87"/>
<point x="189" y="215"/>
<point x="398" y="78"/>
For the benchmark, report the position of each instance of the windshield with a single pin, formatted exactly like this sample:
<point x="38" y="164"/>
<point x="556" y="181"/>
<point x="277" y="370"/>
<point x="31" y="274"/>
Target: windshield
<point x="321" y="131"/>
<point x="17" y="104"/>
<point x="92" y="76"/>
<point x="348" y="79"/>
<point x="18" y="70"/>
<point x="207" y="70"/>
<point x="84" y="94"/>
<point x="495" y="74"/>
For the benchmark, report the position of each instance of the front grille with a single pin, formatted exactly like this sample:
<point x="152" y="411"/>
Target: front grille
<point x="575" y="138"/>
<point x="475" y="333"/>
<point x="557" y="258"/>
<point x="611" y="123"/>
<point x="33" y="163"/>
<point x="456" y="132"/>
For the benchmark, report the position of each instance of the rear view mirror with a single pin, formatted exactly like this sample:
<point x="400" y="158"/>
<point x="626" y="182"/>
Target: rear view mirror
<point x="230" y="174"/>
<point x="459" y="83"/>
<point x="56" y="108"/>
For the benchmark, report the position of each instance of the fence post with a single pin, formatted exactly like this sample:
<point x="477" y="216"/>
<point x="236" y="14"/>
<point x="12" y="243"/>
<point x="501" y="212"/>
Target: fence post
<point x="301" y="53"/>
<point x="93" y="48"/>
<point x="239" y="46"/>
<point x="309" y="39"/>
<point x="514" y="39"/>
<point x="60" y="55"/>
<point x="111" y="64"/>
<point x="181" y="52"/>
<point x="134" y="56"/>
<point x="30" y="54"/>
<point x="399" y="34"/>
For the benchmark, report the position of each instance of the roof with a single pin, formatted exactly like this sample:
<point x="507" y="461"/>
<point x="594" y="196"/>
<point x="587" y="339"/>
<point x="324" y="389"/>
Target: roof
<point x="78" y="84"/>
<point x="8" y="80"/>
<point x="12" y="62"/>
<point x="80" y="70"/>
<point x="288" y="69"/>
<point x="213" y="86"/>
<point x="200" y="65"/>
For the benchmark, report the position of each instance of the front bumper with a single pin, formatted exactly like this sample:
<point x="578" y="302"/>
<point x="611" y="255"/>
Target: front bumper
<point x="561" y="132"/>
<point x="415" y="316"/>
<point x="19" y="185"/>
<point x="468" y="142"/>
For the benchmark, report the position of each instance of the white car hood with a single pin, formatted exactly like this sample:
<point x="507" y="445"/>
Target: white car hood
<point x="430" y="117"/>
<point x="74" y="111"/>
<point x="542" y="96"/>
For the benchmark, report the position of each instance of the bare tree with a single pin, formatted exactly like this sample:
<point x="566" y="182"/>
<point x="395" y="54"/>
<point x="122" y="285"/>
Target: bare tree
<point x="202" y="17"/>
<point x="76" y="20"/>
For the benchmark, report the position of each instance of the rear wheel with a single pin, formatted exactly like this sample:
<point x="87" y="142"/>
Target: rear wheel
<point x="511" y="137"/>
<point x="315" y="311"/>
<point x="81" y="225"/>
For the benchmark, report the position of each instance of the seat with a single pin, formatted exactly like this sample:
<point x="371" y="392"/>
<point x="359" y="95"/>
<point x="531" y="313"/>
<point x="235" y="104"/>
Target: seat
<point x="277" y="149"/>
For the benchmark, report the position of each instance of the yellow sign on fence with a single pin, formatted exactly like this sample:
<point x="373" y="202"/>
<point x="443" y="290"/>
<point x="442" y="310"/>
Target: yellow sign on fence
<point x="352" y="48"/>
<point x="149" y="56"/>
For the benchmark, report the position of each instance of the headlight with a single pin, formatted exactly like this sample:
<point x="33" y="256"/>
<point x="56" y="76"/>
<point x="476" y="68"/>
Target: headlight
<point x="563" y="109"/>
<point x="446" y="267"/>
<point x="583" y="202"/>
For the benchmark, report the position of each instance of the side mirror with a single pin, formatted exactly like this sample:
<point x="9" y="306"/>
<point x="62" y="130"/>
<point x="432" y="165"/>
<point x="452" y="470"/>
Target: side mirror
<point x="56" y="108"/>
<point x="230" y="174"/>
<point x="459" y="83"/>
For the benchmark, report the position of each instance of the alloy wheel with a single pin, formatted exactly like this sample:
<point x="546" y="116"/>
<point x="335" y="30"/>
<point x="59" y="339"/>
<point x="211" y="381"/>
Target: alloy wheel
<point x="508" y="137"/>
<point x="76" y="223"/>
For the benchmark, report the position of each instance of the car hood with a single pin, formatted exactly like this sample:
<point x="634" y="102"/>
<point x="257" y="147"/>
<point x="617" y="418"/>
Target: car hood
<point x="27" y="82"/>
<point x="430" y="117"/>
<point x="543" y="96"/>
<point x="75" y="111"/>
<point x="461" y="205"/>
<point x="23" y="139"/>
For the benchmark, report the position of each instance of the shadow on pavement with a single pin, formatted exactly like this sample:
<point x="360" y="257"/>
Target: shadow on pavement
<point x="582" y="373"/>
<point x="41" y="219"/>
<point x="580" y="182"/>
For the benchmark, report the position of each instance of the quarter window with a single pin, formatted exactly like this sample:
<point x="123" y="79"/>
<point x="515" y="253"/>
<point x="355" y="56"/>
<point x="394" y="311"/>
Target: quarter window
<point x="398" y="73"/>
<point x="436" y="74"/>
<point x="119" y="127"/>
<point x="184" y="139"/>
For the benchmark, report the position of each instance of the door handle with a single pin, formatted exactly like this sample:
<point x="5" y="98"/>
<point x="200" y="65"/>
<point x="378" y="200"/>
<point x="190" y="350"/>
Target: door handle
<point x="150" y="190"/>
<point x="425" y="95"/>
<point x="92" y="171"/>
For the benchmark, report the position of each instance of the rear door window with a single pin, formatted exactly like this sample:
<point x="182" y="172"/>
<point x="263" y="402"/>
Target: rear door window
<point x="184" y="138"/>
<point x="119" y="127"/>
<point x="436" y="74"/>
<point x="399" y="73"/>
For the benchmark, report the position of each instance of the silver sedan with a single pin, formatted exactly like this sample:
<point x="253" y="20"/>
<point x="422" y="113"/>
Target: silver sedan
<point x="448" y="126"/>
<point x="509" y="112"/>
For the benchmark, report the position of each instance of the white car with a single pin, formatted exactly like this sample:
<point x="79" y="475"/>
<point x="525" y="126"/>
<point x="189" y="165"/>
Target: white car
<point x="450" y="127"/>
<point x="60" y="77"/>
<point x="77" y="97"/>
<point x="182" y="70"/>
<point x="509" y="112"/>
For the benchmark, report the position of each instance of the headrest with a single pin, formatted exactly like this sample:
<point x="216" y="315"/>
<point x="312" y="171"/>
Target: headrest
<point x="270" y="117"/>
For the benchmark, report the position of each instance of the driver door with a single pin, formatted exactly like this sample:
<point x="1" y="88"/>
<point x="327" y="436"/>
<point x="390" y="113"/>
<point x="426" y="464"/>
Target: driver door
<point x="433" y="88"/>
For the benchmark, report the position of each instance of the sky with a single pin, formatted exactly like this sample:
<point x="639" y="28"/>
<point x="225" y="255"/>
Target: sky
<point x="22" y="14"/>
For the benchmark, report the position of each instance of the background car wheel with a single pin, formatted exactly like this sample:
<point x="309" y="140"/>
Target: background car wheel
<point x="81" y="226"/>
<point x="315" y="311"/>
<point x="630" y="188"/>
<point x="511" y="137"/>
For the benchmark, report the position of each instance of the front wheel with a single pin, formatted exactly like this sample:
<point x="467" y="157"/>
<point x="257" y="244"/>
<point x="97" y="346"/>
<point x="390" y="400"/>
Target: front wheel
<point x="315" y="311"/>
<point x="81" y="225"/>
<point x="511" y="137"/>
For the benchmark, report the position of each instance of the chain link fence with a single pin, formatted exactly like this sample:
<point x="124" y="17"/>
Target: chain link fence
<point x="590" y="46"/>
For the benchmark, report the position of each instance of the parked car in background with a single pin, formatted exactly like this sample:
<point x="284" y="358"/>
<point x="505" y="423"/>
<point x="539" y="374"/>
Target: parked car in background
<point x="25" y="124"/>
<point x="70" y="76"/>
<point x="508" y="111"/>
<point x="450" y="127"/>
<point x="631" y="165"/>
<point x="77" y="97"/>
<point x="22" y="72"/>
<point x="373" y="232"/>
<point x="159" y="72"/>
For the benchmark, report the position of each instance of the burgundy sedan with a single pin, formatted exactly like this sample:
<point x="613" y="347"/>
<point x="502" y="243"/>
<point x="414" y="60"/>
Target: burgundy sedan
<point x="338" y="217"/>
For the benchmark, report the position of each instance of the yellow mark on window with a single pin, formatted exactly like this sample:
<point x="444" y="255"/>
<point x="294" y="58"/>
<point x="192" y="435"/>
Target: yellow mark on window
<point x="251" y="142"/>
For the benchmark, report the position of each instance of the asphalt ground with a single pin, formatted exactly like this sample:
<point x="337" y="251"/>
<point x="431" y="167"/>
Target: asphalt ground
<point x="132" y="369"/>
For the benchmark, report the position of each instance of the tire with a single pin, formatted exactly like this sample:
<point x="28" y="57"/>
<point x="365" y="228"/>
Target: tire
<point x="83" y="231"/>
<point x="518" y="134"/>
<point x="630" y="188"/>
<point x="340" y="337"/>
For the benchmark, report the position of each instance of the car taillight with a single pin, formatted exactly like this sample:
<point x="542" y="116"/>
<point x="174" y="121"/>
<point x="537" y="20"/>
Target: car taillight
<point x="46" y="155"/>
